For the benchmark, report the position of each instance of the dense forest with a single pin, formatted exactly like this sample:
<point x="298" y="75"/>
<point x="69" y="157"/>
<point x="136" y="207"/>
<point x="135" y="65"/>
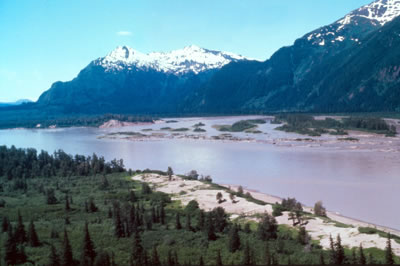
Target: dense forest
<point x="75" y="210"/>
<point x="308" y="125"/>
<point x="25" y="121"/>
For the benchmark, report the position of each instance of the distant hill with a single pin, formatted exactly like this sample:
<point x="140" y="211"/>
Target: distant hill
<point x="19" y="102"/>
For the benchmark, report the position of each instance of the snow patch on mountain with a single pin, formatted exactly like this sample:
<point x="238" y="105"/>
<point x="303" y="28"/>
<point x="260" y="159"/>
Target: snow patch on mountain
<point x="378" y="13"/>
<point x="381" y="11"/>
<point x="189" y="59"/>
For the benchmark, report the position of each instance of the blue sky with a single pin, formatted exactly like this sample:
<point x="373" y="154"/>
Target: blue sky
<point x="43" y="41"/>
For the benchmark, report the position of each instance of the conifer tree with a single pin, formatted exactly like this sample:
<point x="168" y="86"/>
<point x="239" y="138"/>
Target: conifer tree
<point x="371" y="259"/>
<point x="32" y="235"/>
<point x="67" y="256"/>
<point x="267" y="228"/>
<point x="201" y="220"/>
<point x="389" y="259"/>
<point x="20" y="233"/>
<point x="153" y="214"/>
<point x="162" y="214"/>
<point x="178" y="224"/>
<point x="247" y="229"/>
<point x="11" y="250"/>
<point x="340" y="257"/>
<point x="88" y="251"/>
<point x="362" y="259"/>
<point x="188" y="225"/>
<point x="233" y="239"/>
<point x="102" y="259"/>
<point x="247" y="260"/>
<point x="67" y="207"/>
<point x="321" y="258"/>
<point x="5" y="223"/>
<point x="132" y="196"/>
<point x="176" y="260"/>
<point x="53" y="257"/>
<point x="219" y="259"/>
<point x="137" y="251"/>
<point x="210" y="229"/>
<point x="332" y="251"/>
<point x="118" y="227"/>
<point x="201" y="261"/>
<point x="155" y="259"/>
<point x="170" y="259"/>
<point x="170" y="172"/>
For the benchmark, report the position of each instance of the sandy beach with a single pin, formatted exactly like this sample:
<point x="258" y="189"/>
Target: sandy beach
<point x="319" y="229"/>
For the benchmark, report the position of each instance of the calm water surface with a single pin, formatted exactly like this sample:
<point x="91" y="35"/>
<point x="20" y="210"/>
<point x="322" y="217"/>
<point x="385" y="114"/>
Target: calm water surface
<point x="359" y="184"/>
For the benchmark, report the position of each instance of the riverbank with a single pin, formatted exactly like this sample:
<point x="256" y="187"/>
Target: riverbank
<point x="245" y="208"/>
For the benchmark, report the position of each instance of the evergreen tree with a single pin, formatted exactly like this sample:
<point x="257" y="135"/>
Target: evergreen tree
<point x="201" y="261"/>
<point x="132" y="196"/>
<point x="67" y="257"/>
<point x="210" y="229"/>
<point x="67" y="207"/>
<point x="302" y="237"/>
<point x="340" y="257"/>
<point x="54" y="258"/>
<point x="389" y="258"/>
<point x="267" y="228"/>
<point x="11" y="250"/>
<point x="176" y="260"/>
<point x="20" y="233"/>
<point x="201" y="220"/>
<point x="233" y="239"/>
<point x="170" y="259"/>
<point x="170" y="172"/>
<point x="32" y="235"/>
<point x="247" y="229"/>
<point x="137" y="251"/>
<point x="188" y="225"/>
<point x="5" y="224"/>
<point x="321" y="258"/>
<point x="219" y="259"/>
<point x="155" y="259"/>
<point x="362" y="259"/>
<point x="178" y="224"/>
<point x="247" y="260"/>
<point x="88" y="251"/>
<point x="153" y="214"/>
<point x="118" y="226"/>
<point x="332" y="252"/>
<point x="162" y="214"/>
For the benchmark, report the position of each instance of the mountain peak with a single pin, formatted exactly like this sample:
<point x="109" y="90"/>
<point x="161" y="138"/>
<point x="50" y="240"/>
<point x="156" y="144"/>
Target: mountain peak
<point x="189" y="59"/>
<point x="380" y="11"/>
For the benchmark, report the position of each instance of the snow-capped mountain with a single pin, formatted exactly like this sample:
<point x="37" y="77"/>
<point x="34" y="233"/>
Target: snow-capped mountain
<point x="189" y="59"/>
<point x="353" y="26"/>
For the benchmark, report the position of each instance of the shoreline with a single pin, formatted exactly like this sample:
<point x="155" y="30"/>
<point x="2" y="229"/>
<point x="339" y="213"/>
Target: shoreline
<point x="330" y="214"/>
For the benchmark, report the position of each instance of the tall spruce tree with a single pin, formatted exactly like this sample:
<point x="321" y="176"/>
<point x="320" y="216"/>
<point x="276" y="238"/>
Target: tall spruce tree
<point x="5" y="223"/>
<point x="389" y="258"/>
<point x="67" y="206"/>
<point x="362" y="259"/>
<point x="20" y="233"/>
<point x="188" y="225"/>
<point x="201" y="261"/>
<point x="233" y="239"/>
<point x="332" y="251"/>
<point x="218" y="259"/>
<point x="67" y="258"/>
<point x="321" y="258"/>
<point x="155" y="259"/>
<point x="210" y="228"/>
<point x="118" y="226"/>
<point x="88" y="250"/>
<point x="340" y="256"/>
<point x="178" y="224"/>
<point x="53" y="257"/>
<point x="267" y="228"/>
<point x="247" y="259"/>
<point x="33" y="238"/>
<point x="11" y="250"/>
<point x="137" y="250"/>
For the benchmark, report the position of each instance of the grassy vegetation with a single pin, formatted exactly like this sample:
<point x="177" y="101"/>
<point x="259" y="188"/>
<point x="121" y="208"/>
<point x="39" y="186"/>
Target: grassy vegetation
<point x="182" y="129"/>
<point x="307" y="125"/>
<point x="372" y="231"/>
<point x="199" y="130"/>
<point x="239" y="126"/>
